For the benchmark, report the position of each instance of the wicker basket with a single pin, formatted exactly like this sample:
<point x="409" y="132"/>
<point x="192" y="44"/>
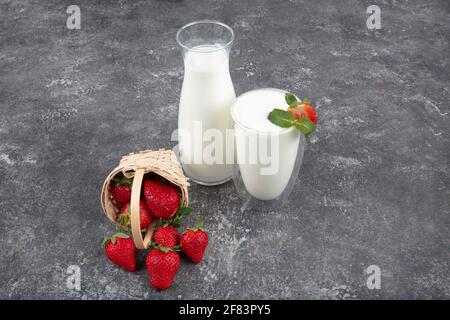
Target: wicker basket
<point x="134" y="165"/>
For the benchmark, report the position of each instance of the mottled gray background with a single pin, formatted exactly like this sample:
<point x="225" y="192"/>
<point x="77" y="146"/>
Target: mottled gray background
<point x="374" y="187"/>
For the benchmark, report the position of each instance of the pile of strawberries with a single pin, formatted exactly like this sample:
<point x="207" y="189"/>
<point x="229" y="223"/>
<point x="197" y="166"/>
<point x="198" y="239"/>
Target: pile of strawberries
<point x="160" y="200"/>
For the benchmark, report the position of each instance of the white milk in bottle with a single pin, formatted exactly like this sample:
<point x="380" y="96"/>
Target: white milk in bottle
<point x="206" y="96"/>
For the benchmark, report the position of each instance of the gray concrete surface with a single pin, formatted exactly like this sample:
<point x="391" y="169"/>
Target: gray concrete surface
<point x="374" y="187"/>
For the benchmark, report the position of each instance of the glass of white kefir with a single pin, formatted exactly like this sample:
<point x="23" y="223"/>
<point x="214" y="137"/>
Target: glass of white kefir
<point x="268" y="157"/>
<point x="206" y="97"/>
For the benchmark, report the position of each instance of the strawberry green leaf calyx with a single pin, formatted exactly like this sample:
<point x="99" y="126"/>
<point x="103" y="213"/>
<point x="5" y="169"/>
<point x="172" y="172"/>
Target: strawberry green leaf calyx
<point x="105" y="241"/>
<point x="123" y="181"/>
<point x="112" y="238"/>
<point x="121" y="235"/>
<point x="124" y="220"/>
<point x="184" y="211"/>
<point x="154" y="245"/>
<point x="163" y="249"/>
<point x="163" y="223"/>
<point x="181" y="212"/>
<point x="198" y="226"/>
<point x="175" y="222"/>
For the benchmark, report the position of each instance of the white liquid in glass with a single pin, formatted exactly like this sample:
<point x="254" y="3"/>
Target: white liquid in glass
<point x="250" y="117"/>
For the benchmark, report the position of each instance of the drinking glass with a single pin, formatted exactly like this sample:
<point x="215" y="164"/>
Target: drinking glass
<point x="267" y="163"/>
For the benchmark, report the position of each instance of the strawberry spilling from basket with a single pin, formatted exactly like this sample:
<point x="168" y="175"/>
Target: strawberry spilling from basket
<point x="146" y="197"/>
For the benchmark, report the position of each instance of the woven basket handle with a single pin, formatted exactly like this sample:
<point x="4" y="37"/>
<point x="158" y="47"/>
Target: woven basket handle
<point x="135" y="213"/>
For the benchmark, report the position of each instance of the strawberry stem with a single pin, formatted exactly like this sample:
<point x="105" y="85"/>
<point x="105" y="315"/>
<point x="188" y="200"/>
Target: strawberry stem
<point x="200" y="224"/>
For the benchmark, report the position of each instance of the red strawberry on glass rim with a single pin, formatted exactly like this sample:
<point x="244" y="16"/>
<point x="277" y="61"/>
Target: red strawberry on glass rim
<point x="162" y="198"/>
<point x="162" y="266"/>
<point x="120" y="189"/>
<point x="194" y="241"/>
<point x="120" y="249"/>
<point x="144" y="215"/>
<point x="300" y="115"/>
<point x="304" y="110"/>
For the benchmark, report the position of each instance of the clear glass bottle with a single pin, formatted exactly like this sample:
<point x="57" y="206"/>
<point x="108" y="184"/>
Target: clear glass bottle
<point x="206" y="97"/>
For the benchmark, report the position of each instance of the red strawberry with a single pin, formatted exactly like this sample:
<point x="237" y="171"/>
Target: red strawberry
<point x="120" y="250"/>
<point x="144" y="215"/>
<point x="162" y="266"/>
<point x="162" y="199"/>
<point x="166" y="236"/>
<point x="194" y="242"/>
<point x="304" y="110"/>
<point x="121" y="190"/>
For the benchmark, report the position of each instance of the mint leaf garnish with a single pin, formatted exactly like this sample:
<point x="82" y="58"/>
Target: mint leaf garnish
<point x="305" y="126"/>
<point x="291" y="100"/>
<point x="285" y="119"/>
<point x="281" y="118"/>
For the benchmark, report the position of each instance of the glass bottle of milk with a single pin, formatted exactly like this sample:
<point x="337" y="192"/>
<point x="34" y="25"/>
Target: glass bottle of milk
<point x="206" y="97"/>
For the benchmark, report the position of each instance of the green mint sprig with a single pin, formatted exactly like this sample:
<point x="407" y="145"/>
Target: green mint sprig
<point x="292" y="101"/>
<point x="284" y="119"/>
